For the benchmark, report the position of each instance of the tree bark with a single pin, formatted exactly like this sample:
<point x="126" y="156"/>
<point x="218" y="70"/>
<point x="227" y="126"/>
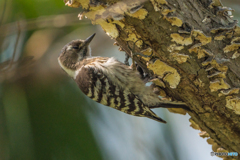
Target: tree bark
<point x="196" y="56"/>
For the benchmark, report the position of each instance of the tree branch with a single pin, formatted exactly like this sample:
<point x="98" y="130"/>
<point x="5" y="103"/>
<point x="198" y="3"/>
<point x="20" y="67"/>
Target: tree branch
<point x="196" y="56"/>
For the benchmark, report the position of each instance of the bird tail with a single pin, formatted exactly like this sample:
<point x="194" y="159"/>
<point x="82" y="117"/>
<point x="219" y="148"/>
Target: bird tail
<point x="153" y="116"/>
<point x="170" y="104"/>
<point x="156" y="119"/>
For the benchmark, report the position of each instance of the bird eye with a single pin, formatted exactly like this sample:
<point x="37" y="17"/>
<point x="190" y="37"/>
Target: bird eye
<point x="75" y="47"/>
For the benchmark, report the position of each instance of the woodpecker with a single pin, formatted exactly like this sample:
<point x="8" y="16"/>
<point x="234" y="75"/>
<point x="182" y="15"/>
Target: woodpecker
<point x="110" y="82"/>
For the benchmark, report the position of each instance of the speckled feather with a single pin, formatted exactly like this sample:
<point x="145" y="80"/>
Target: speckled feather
<point x="99" y="81"/>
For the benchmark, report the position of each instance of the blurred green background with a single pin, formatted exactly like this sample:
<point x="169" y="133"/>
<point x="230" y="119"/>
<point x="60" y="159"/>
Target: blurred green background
<point x="43" y="114"/>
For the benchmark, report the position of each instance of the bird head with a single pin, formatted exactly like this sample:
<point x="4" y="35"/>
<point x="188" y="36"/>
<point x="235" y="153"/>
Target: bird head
<point x="74" y="52"/>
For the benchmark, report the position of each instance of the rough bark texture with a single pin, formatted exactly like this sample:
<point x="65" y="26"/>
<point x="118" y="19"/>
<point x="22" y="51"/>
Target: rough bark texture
<point x="195" y="58"/>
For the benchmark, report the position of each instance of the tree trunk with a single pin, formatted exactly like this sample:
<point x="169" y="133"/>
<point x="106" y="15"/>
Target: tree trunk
<point x="195" y="47"/>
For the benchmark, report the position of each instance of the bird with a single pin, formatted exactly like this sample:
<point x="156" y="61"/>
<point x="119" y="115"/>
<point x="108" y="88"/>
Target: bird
<point x="110" y="82"/>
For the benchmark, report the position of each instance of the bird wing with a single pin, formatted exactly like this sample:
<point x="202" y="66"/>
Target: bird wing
<point x="128" y="80"/>
<point x="98" y="86"/>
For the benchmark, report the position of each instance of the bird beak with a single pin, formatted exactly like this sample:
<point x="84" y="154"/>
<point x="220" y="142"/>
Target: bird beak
<point x="89" y="39"/>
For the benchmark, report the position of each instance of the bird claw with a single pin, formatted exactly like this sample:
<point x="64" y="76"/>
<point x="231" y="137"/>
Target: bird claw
<point x="143" y="55"/>
<point x="134" y="54"/>
<point x="126" y="59"/>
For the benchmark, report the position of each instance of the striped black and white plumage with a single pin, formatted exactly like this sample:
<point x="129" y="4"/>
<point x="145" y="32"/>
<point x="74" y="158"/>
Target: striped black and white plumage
<point x="110" y="82"/>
